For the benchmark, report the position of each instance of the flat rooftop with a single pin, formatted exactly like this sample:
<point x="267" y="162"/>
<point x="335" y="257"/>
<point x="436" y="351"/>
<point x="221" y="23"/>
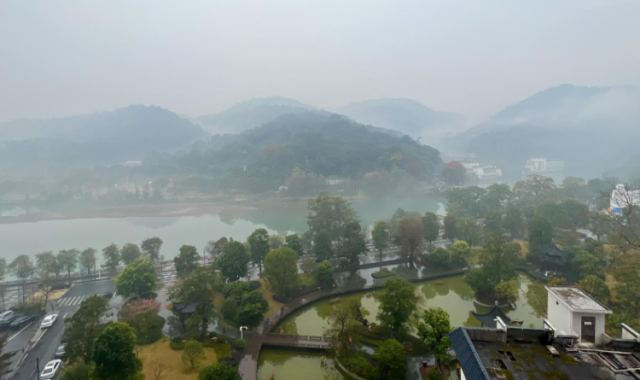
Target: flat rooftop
<point x="578" y="300"/>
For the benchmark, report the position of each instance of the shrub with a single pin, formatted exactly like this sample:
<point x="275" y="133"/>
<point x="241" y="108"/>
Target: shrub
<point x="506" y="291"/>
<point x="236" y="290"/>
<point x="149" y="328"/>
<point x="77" y="371"/>
<point x="358" y="365"/>
<point x="221" y="339"/>
<point x="229" y="308"/>
<point x="440" y="257"/>
<point x="192" y="354"/>
<point x="477" y="280"/>
<point x="223" y="350"/>
<point x="219" y="371"/>
<point x="382" y="273"/>
<point x="434" y="374"/>
<point x="324" y="273"/>
<point x="240" y="343"/>
<point x="176" y="343"/>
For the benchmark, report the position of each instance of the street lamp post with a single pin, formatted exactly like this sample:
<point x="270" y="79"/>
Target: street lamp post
<point x="242" y="328"/>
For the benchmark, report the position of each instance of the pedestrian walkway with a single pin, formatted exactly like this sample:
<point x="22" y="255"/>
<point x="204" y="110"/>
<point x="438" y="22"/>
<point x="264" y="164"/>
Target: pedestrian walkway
<point x="71" y="301"/>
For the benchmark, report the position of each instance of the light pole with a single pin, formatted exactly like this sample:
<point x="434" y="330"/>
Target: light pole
<point x="242" y="328"/>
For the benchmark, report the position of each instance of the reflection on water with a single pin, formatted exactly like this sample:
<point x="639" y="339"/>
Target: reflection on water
<point x="296" y="364"/>
<point x="452" y="294"/>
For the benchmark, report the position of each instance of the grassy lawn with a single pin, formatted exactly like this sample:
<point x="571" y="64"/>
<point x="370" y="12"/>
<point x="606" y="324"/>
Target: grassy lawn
<point x="266" y="293"/>
<point x="159" y="352"/>
<point x="307" y="279"/>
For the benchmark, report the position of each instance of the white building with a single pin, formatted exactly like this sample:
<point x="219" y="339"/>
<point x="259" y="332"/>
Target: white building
<point x="485" y="174"/>
<point x="574" y="313"/>
<point x="543" y="166"/>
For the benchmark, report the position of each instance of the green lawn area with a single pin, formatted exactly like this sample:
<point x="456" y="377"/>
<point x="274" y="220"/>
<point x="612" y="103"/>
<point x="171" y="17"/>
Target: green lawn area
<point x="160" y="352"/>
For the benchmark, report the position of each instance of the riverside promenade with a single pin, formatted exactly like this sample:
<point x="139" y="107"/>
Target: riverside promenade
<point x="262" y="335"/>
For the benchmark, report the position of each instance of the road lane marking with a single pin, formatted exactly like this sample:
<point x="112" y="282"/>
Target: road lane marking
<point x="20" y="361"/>
<point x="64" y="316"/>
<point x="18" y="333"/>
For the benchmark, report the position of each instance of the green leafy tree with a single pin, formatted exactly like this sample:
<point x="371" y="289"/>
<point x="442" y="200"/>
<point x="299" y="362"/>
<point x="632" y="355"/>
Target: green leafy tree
<point x="258" y="246"/>
<point x="88" y="259"/>
<point x="233" y="260"/>
<point x="276" y="241"/>
<point x="129" y="253"/>
<point x="68" y="258"/>
<point x="330" y="214"/>
<point x="252" y="308"/>
<point x="468" y="230"/>
<point x="498" y="259"/>
<point x="151" y="247"/>
<point x="5" y="357"/>
<point x="585" y="264"/>
<point x="45" y="262"/>
<point x="596" y="287"/>
<point x="113" y="354"/>
<point x="294" y="242"/>
<point x="540" y="235"/>
<point x="411" y="237"/>
<point x="477" y="280"/>
<point x="111" y="255"/>
<point x="392" y="360"/>
<point x="434" y="330"/>
<point x="450" y="227"/>
<point x="577" y="213"/>
<point x="492" y="221"/>
<point x="497" y="197"/>
<point x="467" y="201"/>
<point x="535" y="189"/>
<point x="513" y="221"/>
<point x="82" y="328"/>
<point x="460" y="252"/>
<point x="322" y="245"/>
<point x="380" y="236"/>
<point x="235" y="290"/>
<point x="187" y="260"/>
<point x="192" y="354"/>
<point x="219" y="371"/>
<point x="397" y="303"/>
<point x="506" y="291"/>
<point x="77" y="371"/>
<point x="431" y="227"/>
<point x="352" y="246"/>
<point x="198" y="288"/>
<point x="343" y="323"/>
<point x="138" y="278"/>
<point x="281" y="270"/>
<point x="22" y="267"/>
<point x="324" y="273"/>
<point x="440" y="257"/>
<point x="229" y="308"/>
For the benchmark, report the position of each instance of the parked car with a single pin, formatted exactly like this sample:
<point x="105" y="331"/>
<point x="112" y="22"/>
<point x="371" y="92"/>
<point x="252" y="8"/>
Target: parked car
<point x="21" y="321"/>
<point x="7" y="317"/>
<point x="51" y="370"/>
<point x="48" y="321"/>
<point x="60" y="351"/>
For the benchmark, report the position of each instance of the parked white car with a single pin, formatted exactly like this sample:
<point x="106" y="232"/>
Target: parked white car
<point x="48" y="321"/>
<point x="51" y="370"/>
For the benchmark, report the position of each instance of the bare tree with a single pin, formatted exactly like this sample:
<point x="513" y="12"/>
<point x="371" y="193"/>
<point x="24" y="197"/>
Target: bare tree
<point x="158" y="369"/>
<point x="625" y="214"/>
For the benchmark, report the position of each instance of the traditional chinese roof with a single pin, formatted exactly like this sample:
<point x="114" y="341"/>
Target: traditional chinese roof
<point x="553" y="254"/>
<point x="184" y="308"/>
<point x="489" y="319"/>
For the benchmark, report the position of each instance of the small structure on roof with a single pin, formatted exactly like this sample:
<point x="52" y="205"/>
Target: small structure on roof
<point x="574" y="313"/>
<point x="489" y="319"/>
<point x="554" y="258"/>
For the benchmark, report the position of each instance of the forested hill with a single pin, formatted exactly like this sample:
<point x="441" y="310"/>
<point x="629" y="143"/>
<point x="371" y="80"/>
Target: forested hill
<point x="318" y="145"/>
<point x="86" y="140"/>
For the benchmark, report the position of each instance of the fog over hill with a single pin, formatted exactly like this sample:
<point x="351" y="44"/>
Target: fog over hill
<point x="591" y="128"/>
<point x="408" y="117"/>
<point x="128" y="133"/>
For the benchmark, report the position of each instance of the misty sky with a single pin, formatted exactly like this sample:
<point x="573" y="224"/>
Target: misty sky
<point x="197" y="57"/>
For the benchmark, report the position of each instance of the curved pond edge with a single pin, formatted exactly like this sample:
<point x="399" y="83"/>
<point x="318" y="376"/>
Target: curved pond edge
<point x="346" y="371"/>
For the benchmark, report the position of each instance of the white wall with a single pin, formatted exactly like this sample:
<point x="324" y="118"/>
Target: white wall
<point x="600" y="323"/>
<point x="559" y="314"/>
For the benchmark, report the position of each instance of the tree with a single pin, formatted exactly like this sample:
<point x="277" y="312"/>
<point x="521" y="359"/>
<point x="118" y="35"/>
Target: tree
<point x="151" y="247"/>
<point x="22" y="267"/>
<point x="454" y="173"/>
<point x="258" y="246"/>
<point x="440" y="257"/>
<point x="198" y="288"/>
<point x="460" y="252"/>
<point x="353" y="245"/>
<point x="309" y="265"/>
<point x="324" y="273"/>
<point x="111" y="255"/>
<point x="596" y="287"/>
<point x="397" y="303"/>
<point x="219" y="371"/>
<point x="322" y="245"/>
<point x="535" y="189"/>
<point x="68" y="258"/>
<point x="330" y="214"/>
<point x="229" y="308"/>
<point x="497" y="196"/>
<point x="129" y="253"/>
<point x="431" y="227"/>
<point x="342" y="321"/>
<point x="158" y="369"/>
<point x="138" y="278"/>
<point x="281" y="270"/>
<point x="233" y="260"/>
<point x="492" y="221"/>
<point x="513" y="221"/>
<point x="276" y="241"/>
<point x="468" y="230"/>
<point x="187" y="260"/>
<point x="506" y="291"/>
<point x="540" y="235"/>
<point x="192" y="354"/>
<point x="82" y="328"/>
<point x="498" y="259"/>
<point x="467" y="201"/>
<point x="450" y="223"/>
<point x="77" y="371"/>
<point x="214" y="248"/>
<point x="113" y="354"/>
<point x="477" y="280"/>
<point x="45" y="262"/>
<point x="434" y="330"/>
<point x="252" y="308"/>
<point x="5" y="357"/>
<point x="294" y="242"/>
<point x="380" y="236"/>
<point x="236" y="290"/>
<point x="577" y="213"/>
<point x="88" y="259"/>
<point x="392" y="360"/>
<point x="584" y="264"/>
<point x="411" y="237"/>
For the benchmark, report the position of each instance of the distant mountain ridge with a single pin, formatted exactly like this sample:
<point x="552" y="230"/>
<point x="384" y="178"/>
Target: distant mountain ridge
<point x="407" y="116"/>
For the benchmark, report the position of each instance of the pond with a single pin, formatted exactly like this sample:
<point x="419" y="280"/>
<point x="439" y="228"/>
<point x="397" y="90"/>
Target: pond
<point x="452" y="294"/>
<point x="276" y="216"/>
<point x="288" y="364"/>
